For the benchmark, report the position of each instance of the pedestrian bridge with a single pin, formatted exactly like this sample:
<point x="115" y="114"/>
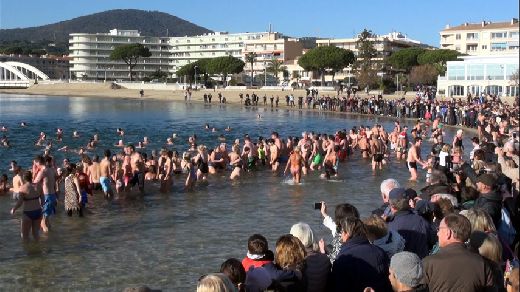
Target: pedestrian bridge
<point x="19" y="75"/>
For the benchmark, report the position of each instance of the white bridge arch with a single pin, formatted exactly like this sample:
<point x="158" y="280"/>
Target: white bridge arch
<point x="10" y="73"/>
<point x="29" y="71"/>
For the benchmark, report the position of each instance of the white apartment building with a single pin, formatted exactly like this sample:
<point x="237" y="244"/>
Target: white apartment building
<point x="485" y="38"/>
<point x="90" y="55"/>
<point x="478" y="75"/>
<point x="188" y="49"/>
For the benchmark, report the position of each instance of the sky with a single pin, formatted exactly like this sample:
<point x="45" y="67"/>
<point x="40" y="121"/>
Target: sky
<point x="418" y="19"/>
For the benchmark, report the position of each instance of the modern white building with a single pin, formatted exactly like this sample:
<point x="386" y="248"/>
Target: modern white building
<point x="484" y="38"/>
<point x="188" y="49"/>
<point x="90" y="55"/>
<point x="477" y="75"/>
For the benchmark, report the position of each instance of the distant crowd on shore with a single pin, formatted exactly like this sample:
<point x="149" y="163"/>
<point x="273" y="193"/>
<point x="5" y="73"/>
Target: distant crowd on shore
<point x="437" y="242"/>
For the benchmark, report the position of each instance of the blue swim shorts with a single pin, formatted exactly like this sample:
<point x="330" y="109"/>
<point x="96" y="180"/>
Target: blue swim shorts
<point x="105" y="184"/>
<point x="49" y="207"/>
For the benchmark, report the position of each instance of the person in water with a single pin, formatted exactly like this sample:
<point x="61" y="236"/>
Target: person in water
<point x="32" y="208"/>
<point x="296" y="164"/>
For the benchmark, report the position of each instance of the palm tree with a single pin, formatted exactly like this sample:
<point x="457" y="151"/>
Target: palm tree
<point x="276" y="66"/>
<point x="251" y="58"/>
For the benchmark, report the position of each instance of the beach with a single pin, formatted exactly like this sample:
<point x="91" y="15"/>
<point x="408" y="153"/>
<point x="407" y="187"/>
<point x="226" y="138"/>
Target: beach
<point x="92" y="89"/>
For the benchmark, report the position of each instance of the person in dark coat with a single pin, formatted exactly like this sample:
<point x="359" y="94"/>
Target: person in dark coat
<point x="455" y="267"/>
<point x="359" y="264"/>
<point x="406" y="273"/>
<point x="413" y="228"/>
<point x="317" y="265"/>
<point x="489" y="200"/>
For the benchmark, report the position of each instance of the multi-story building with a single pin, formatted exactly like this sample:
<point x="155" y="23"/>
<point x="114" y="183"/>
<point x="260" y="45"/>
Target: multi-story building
<point x="485" y="38"/>
<point x="478" y="75"/>
<point x="384" y="45"/>
<point x="90" y="55"/>
<point x="269" y="47"/>
<point x="53" y="66"/>
<point x="188" y="49"/>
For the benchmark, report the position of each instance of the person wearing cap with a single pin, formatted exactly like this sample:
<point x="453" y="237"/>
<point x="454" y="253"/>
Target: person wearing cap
<point x="455" y="267"/>
<point x="489" y="200"/>
<point x="416" y="231"/>
<point x="406" y="272"/>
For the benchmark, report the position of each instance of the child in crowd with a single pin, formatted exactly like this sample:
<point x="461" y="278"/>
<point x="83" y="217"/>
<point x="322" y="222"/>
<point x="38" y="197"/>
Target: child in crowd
<point x="258" y="253"/>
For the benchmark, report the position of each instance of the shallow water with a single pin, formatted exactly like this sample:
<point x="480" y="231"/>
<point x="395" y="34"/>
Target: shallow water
<point x="166" y="241"/>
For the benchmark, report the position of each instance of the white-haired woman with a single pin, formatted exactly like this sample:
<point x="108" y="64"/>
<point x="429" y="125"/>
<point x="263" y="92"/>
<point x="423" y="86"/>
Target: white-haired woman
<point x="317" y="264"/>
<point x="457" y="140"/>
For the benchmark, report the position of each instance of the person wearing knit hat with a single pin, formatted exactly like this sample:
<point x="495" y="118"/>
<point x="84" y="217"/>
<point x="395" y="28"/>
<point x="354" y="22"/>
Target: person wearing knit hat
<point x="406" y="272"/>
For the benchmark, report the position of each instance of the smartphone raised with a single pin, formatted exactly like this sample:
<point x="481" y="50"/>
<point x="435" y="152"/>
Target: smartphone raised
<point x="317" y="206"/>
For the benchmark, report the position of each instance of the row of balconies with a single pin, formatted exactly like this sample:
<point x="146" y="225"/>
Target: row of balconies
<point x="92" y="48"/>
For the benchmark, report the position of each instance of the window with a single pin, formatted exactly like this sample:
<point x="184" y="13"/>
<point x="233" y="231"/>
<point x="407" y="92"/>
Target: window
<point x="484" y="47"/>
<point x="498" y="46"/>
<point x="513" y="34"/>
<point x="457" y="36"/>
<point x="498" y="35"/>
<point x="475" y="72"/>
<point x="472" y="36"/>
<point x="471" y="48"/>
<point x="455" y="72"/>
<point x="495" y="72"/>
<point x="510" y="70"/>
<point x="456" y="90"/>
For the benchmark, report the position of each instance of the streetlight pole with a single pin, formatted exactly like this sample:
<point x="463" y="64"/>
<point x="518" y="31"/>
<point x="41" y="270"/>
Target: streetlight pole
<point x="195" y="76"/>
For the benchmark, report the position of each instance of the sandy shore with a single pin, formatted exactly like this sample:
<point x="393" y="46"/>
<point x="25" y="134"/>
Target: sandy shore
<point x="103" y="90"/>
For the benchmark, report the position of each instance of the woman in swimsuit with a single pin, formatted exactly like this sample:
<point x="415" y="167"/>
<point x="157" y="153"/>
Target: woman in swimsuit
<point x="32" y="208"/>
<point x="167" y="172"/>
<point x="235" y="161"/>
<point x="202" y="162"/>
<point x="190" y="169"/>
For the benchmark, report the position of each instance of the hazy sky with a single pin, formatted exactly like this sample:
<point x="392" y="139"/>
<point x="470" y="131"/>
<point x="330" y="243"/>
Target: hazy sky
<point x="419" y="19"/>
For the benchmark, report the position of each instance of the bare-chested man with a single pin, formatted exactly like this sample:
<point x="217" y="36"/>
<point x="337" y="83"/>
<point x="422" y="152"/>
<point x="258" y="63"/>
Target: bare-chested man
<point x="296" y="164"/>
<point x="363" y="146"/>
<point x="137" y="166"/>
<point x="330" y="163"/>
<point x="377" y="148"/>
<point x="305" y="145"/>
<point x="94" y="173"/>
<point x="274" y="155"/>
<point x="317" y="153"/>
<point x="17" y="182"/>
<point x="414" y="157"/>
<point x="105" y="172"/>
<point x="46" y="178"/>
<point x="402" y="143"/>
